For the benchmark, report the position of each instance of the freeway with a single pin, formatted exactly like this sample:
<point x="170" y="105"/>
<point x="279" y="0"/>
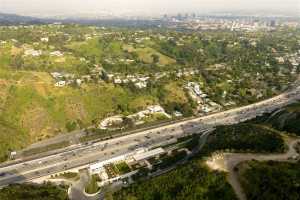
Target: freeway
<point x="84" y="155"/>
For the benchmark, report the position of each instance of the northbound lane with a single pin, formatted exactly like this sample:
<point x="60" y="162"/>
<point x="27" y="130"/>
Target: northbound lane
<point x="87" y="154"/>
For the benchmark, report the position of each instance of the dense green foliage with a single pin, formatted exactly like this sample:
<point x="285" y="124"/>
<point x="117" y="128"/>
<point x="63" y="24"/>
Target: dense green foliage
<point x="170" y="160"/>
<point x="190" y="182"/>
<point x="244" y="138"/>
<point x="287" y="119"/>
<point x="270" y="180"/>
<point x="33" y="192"/>
<point x="194" y="182"/>
<point x="232" y="68"/>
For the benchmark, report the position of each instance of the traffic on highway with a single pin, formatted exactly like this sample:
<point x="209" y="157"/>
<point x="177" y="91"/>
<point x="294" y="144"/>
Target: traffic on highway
<point x="85" y="154"/>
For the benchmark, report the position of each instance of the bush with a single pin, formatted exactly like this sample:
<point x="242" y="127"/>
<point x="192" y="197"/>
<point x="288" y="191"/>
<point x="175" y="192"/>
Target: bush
<point x="190" y="182"/>
<point x="270" y="180"/>
<point x="33" y="192"/>
<point x="244" y="138"/>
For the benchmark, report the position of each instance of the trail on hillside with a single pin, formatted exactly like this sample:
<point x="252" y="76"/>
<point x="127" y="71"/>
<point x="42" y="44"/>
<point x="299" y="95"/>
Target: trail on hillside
<point x="227" y="162"/>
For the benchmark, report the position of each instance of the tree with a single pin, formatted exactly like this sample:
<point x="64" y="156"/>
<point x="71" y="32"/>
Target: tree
<point x="155" y="58"/>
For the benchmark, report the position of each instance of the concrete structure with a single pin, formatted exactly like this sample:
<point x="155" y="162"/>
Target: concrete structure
<point x="98" y="167"/>
<point x="137" y="155"/>
<point x="148" y="154"/>
<point x="79" y="155"/>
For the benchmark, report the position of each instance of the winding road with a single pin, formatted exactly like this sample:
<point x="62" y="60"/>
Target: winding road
<point x="228" y="161"/>
<point x="76" y="191"/>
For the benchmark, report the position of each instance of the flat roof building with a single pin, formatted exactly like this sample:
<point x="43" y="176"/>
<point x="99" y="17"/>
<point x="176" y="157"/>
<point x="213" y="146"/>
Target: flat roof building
<point x="148" y="154"/>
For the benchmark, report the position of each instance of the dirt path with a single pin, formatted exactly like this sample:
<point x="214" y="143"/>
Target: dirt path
<point x="227" y="161"/>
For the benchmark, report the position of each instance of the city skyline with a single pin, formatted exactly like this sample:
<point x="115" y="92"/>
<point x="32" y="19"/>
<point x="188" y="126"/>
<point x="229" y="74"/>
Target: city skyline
<point x="146" y="7"/>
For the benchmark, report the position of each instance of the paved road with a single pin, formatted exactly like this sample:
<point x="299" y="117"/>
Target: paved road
<point x="84" y="155"/>
<point x="228" y="161"/>
<point x="76" y="190"/>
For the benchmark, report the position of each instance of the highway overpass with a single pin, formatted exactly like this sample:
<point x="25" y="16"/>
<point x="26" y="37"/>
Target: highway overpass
<point x="83" y="155"/>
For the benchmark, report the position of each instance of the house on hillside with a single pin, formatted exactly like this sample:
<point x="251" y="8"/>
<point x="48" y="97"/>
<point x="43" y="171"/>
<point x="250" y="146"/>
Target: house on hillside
<point x="56" y="53"/>
<point x="60" y="84"/>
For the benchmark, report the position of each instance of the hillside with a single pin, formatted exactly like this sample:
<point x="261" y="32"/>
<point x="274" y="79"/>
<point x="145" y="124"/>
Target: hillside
<point x="190" y="182"/>
<point x="244" y="137"/>
<point x="55" y="78"/>
<point x="33" y="192"/>
<point x="270" y="180"/>
<point x="17" y="19"/>
<point x="11" y="138"/>
<point x="194" y="180"/>
<point x="286" y="119"/>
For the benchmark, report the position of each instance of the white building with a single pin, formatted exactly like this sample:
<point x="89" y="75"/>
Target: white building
<point x="138" y="155"/>
<point x="56" y="75"/>
<point x="56" y="53"/>
<point x="45" y="39"/>
<point x="141" y="85"/>
<point x="280" y="60"/>
<point x="155" y="109"/>
<point x="117" y="81"/>
<point x="32" y="52"/>
<point x="98" y="167"/>
<point x="78" y="82"/>
<point x="60" y="84"/>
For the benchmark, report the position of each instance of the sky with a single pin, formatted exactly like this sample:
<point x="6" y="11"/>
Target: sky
<point x="147" y="7"/>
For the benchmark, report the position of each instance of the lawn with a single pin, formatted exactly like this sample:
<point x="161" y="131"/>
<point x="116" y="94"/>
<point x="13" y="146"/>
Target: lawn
<point x="92" y="187"/>
<point x="88" y="49"/>
<point x="123" y="168"/>
<point x="145" y="54"/>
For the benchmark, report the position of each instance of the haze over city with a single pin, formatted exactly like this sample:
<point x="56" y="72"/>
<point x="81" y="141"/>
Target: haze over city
<point x="149" y="99"/>
<point x="146" y="7"/>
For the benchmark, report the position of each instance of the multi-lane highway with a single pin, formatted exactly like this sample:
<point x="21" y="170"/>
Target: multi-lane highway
<point x="83" y="155"/>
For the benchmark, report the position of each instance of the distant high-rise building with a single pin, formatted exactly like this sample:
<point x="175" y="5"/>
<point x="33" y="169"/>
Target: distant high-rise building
<point x="273" y="23"/>
<point x="179" y="16"/>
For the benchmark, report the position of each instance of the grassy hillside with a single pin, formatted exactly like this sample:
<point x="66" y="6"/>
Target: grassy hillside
<point x="11" y="137"/>
<point x="228" y="64"/>
<point x="30" y="102"/>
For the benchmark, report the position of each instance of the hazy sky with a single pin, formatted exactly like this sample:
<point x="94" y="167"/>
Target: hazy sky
<point x="145" y="6"/>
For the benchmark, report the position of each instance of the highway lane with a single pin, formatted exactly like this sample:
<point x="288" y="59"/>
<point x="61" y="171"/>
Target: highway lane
<point x="77" y="146"/>
<point x="86" y="154"/>
<point x="82" y="157"/>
